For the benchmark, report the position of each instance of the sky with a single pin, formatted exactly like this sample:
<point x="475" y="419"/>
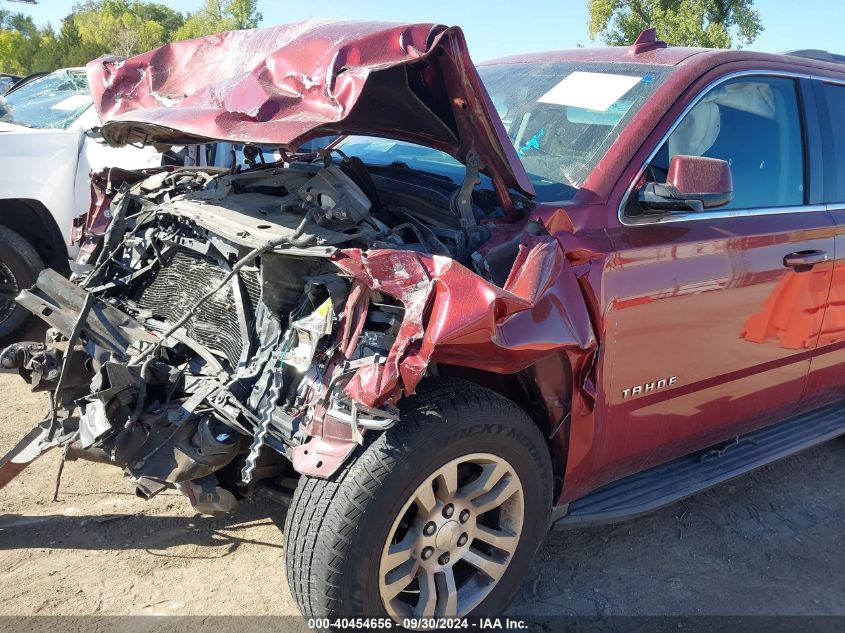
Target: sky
<point x="496" y="28"/>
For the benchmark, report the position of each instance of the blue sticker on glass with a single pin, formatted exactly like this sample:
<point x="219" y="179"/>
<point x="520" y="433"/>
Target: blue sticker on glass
<point x="533" y="142"/>
<point x="649" y="78"/>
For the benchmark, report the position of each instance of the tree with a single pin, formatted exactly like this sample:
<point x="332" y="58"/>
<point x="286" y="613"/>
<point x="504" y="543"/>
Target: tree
<point x="19" y="22"/>
<point x="47" y="56"/>
<point x="220" y="15"/>
<point x="244" y="14"/>
<point x="708" y="23"/>
<point x="21" y="44"/>
<point x="120" y="27"/>
<point x="72" y="49"/>
<point x="125" y="27"/>
<point x="169" y="19"/>
<point x="10" y="45"/>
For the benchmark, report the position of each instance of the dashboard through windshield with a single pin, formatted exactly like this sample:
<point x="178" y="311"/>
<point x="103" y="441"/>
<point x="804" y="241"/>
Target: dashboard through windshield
<point x="560" y="117"/>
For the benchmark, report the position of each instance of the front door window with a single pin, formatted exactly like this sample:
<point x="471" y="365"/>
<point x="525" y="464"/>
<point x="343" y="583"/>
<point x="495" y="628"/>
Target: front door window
<point x="754" y="124"/>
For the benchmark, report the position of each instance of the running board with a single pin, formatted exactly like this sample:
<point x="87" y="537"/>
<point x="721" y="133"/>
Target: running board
<point x="665" y="484"/>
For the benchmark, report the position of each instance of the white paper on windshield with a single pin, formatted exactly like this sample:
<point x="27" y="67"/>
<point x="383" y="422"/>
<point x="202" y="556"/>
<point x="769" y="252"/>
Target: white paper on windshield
<point x="592" y="91"/>
<point x="74" y="102"/>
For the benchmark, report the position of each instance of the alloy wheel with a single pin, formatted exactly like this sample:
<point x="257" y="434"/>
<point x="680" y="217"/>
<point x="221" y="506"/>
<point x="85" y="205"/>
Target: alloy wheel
<point x="453" y="539"/>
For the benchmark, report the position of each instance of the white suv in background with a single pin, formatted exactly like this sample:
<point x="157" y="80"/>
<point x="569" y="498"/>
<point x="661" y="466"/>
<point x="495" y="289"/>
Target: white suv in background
<point x="47" y="152"/>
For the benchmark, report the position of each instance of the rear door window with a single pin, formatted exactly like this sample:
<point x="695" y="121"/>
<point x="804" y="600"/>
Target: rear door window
<point x="833" y="96"/>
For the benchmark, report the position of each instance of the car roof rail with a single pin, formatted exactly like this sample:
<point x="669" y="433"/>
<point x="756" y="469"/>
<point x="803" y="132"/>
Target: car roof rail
<point x="817" y="54"/>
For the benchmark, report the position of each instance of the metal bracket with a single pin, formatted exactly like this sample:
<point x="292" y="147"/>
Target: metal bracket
<point x="464" y="198"/>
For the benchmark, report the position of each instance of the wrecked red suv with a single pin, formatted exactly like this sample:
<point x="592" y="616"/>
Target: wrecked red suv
<point x="565" y="287"/>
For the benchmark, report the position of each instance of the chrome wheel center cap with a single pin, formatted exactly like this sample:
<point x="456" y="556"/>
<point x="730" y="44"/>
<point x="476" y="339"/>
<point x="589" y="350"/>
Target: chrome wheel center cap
<point x="447" y="535"/>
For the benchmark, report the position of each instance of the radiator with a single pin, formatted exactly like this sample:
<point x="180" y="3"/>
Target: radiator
<point x="176" y="287"/>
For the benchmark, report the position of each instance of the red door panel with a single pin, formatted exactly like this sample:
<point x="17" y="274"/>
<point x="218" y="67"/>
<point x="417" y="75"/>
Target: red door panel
<point x="826" y="381"/>
<point x="711" y="320"/>
<point x="709" y="335"/>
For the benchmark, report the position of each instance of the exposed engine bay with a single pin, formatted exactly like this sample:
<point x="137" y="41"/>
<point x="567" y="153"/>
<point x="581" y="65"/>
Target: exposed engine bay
<point x="212" y="338"/>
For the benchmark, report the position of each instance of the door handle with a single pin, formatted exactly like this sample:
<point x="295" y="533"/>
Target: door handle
<point x="804" y="260"/>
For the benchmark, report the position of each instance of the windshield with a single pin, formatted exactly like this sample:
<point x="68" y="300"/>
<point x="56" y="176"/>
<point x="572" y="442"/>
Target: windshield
<point x="6" y="82"/>
<point x="53" y="101"/>
<point x="381" y="151"/>
<point x="560" y="117"/>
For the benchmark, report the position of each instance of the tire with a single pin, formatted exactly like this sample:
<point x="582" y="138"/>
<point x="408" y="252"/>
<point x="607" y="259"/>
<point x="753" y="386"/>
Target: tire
<point x="336" y="530"/>
<point x="20" y="264"/>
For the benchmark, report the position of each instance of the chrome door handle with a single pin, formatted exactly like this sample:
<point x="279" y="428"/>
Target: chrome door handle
<point x="804" y="260"/>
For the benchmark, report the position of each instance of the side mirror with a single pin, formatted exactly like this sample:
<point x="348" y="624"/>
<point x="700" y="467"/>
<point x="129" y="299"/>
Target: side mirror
<point x="694" y="183"/>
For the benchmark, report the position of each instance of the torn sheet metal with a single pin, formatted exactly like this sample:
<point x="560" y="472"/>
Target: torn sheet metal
<point x="453" y="316"/>
<point x="59" y="302"/>
<point x="88" y="229"/>
<point x="285" y="84"/>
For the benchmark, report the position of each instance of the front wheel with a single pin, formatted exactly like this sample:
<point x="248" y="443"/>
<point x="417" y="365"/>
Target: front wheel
<point x="20" y="264"/>
<point x="438" y="517"/>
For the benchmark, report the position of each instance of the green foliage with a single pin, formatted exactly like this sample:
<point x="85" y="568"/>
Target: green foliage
<point x="220" y="15"/>
<point x="708" y="23"/>
<point x="10" y="45"/>
<point x="17" y="22"/>
<point x="23" y="47"/>
<point x="74" y="50"/>
<point x="118" y="27"/>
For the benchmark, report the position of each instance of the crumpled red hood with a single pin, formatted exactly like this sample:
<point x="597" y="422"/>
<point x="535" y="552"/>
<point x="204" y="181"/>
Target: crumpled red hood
<point x="285" y="84"/>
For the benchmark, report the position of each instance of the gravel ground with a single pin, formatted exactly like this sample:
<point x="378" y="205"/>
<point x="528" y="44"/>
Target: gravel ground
<point x="770" y="543"/>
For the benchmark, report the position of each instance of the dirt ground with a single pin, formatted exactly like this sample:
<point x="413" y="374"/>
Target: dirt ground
<point x="771" y="543"/>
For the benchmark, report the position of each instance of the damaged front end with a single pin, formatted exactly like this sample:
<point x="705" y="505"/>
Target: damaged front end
<point x="204" y="333"/>
<point x="229" y="325"/>
<point x="233" y="324"/>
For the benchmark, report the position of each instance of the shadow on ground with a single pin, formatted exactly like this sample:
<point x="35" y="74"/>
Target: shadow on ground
<point x="770" y="543"/>
<point x="139" y="531"/>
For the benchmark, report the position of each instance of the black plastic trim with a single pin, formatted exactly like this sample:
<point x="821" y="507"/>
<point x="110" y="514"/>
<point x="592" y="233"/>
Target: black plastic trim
<point x="665" y="484"/>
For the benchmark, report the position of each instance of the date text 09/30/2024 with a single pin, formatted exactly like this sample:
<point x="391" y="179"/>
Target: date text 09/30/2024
<point x="504" y="624"/>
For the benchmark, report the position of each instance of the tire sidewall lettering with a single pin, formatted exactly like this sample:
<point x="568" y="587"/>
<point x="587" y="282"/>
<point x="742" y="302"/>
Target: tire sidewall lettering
<point x="490" y="429"/>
